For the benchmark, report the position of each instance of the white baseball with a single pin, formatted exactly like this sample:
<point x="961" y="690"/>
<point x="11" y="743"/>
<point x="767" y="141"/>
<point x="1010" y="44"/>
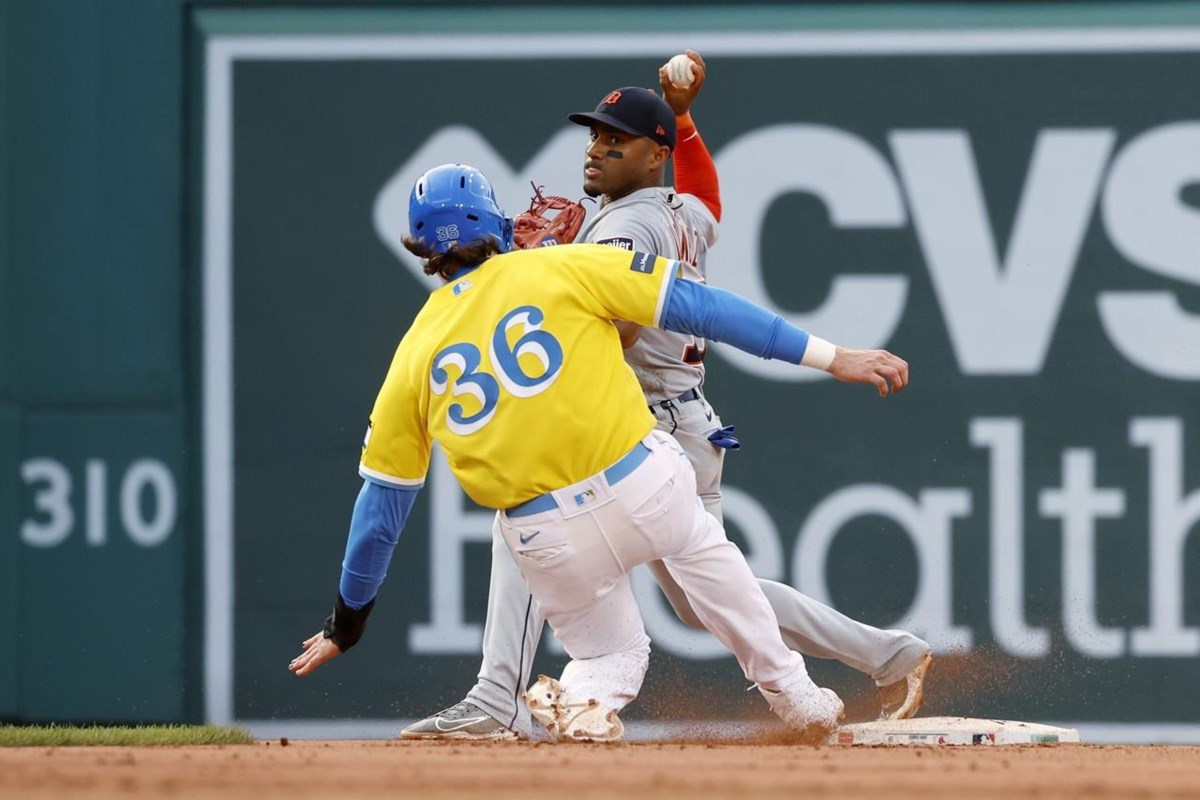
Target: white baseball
<point x="680" y="71"/>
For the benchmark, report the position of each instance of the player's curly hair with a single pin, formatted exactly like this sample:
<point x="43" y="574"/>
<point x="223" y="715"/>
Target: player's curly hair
<point x="447" y="264"/>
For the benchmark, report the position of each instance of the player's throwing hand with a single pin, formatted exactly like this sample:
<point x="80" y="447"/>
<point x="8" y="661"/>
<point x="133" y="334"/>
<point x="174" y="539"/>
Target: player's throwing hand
<point x="680" y="97"/>
<point x="880" y="368"/>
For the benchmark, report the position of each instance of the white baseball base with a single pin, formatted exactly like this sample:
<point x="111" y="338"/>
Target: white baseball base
<point x="937" y="731"/>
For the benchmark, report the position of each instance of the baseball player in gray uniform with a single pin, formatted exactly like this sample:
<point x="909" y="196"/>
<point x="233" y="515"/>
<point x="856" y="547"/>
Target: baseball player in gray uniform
<point x="629" y="129"/>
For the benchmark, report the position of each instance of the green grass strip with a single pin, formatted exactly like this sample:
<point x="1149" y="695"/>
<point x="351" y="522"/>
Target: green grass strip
<point x="119" y="736"/>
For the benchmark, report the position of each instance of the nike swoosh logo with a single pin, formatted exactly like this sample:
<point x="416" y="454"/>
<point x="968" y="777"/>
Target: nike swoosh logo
<point x="526" y="539"/>
<point x="456" y="726"/>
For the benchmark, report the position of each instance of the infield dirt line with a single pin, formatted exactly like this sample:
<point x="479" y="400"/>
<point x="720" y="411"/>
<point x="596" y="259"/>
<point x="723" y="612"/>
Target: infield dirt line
<point x="352" y="770"/>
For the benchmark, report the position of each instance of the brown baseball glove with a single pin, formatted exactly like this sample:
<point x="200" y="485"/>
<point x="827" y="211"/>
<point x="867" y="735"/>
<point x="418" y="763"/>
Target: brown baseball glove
<point x="550" y="220"/>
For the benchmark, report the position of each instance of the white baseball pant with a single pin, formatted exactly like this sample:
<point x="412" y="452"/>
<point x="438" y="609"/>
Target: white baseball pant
<point x="576" y="558"/>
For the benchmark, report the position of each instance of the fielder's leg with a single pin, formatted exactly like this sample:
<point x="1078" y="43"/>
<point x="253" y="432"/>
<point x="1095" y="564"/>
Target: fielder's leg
<point x="891" y="658"/>
<point x="510" y="639"/>
<point x="817" y="630"/>
<point x="726" y="597"/>
<point x="690" y="423"/>
<point x="896" y="660"/>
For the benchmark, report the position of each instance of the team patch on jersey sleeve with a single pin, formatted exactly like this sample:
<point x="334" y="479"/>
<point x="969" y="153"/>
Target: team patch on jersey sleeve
<point x="643" y="263"/>
<point x="623" y="242"/>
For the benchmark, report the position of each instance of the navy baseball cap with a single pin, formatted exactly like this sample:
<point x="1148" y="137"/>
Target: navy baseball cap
<point x="635" y="110"/>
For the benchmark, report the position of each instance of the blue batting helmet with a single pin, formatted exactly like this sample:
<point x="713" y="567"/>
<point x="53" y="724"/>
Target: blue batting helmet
<point x="455" y="204"/>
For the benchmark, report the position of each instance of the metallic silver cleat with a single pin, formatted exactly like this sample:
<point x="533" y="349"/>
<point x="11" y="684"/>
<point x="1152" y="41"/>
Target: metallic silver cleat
<point x="464" y="721"/>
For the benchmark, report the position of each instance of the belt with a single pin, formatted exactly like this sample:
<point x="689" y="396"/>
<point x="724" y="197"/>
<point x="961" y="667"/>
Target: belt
<point x="545" y="502"/>
<point x="690" y="394"/>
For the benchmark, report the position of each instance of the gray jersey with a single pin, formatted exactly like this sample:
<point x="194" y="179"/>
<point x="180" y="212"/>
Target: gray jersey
<point x="663" y="221"/>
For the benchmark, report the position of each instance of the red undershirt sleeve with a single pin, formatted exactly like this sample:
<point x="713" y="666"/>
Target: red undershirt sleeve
<point x="695" y="172"/>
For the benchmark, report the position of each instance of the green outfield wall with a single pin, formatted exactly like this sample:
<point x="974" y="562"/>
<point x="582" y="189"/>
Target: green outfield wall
<point x="202" y="286"/>
<point x="93" y="400"/>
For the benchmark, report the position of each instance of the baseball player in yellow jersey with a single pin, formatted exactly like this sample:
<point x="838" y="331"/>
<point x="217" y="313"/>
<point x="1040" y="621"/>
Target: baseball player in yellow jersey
<point x="623" y="164"/>
<point x="492" y="369"/>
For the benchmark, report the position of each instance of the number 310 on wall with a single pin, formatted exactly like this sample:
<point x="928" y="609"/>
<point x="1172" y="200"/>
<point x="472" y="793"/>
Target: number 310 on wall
<point x="54" y="518"/>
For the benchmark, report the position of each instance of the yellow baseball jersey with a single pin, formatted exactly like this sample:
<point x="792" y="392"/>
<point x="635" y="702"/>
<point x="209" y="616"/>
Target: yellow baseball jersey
<point x="516" y="370"/>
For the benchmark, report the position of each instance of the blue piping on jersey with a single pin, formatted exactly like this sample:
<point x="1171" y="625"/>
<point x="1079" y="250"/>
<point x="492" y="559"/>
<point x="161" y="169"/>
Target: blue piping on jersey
<point x="725" y="317"/>
<point x="380" y="513"/>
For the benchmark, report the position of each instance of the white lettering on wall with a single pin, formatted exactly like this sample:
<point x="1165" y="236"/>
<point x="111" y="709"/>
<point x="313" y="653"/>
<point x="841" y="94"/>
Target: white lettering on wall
<point x="1001" y="310"/>
<point x="1079" y="503"/>
<point x="1150" y="225"/>
<point x="1172" y="517"/>
<point x="1007" y="551"/>
<point x="54" y="515"/>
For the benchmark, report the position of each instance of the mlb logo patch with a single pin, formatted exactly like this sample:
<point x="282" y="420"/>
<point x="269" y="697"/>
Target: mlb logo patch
<point x="622" y="242"/>
<point x="643" y="263"/>
<point x="461" y="287"/>
<point x="585" y="496"/>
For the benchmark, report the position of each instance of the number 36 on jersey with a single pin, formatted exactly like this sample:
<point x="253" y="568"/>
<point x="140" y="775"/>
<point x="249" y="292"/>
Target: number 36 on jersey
<point x="525" y="360"/>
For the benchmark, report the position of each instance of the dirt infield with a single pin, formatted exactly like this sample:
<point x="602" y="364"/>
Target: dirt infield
<point x="352" y="770"/>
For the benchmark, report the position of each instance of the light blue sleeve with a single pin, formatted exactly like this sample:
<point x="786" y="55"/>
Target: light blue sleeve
<point x="726" y="317"/>
<point x="380" y="513"/>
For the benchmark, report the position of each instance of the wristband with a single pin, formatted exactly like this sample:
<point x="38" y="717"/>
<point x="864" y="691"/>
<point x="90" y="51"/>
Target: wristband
<point x="345" y="625"/>
<point x="819" y="353"/>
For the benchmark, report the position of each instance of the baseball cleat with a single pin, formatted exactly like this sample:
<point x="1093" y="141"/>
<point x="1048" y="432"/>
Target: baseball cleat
<point x="903" y="698"/>
<point x="464" y="721"/>
<point x="591" y="722"/>
<point x="586" y="721"/>
<point x="542" y="700"/>
<point x="810" y="711"/>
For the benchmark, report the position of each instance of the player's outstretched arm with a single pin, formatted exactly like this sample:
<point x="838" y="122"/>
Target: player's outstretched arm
<point x="380" y="513"/>
<point x="725" y="317"/>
